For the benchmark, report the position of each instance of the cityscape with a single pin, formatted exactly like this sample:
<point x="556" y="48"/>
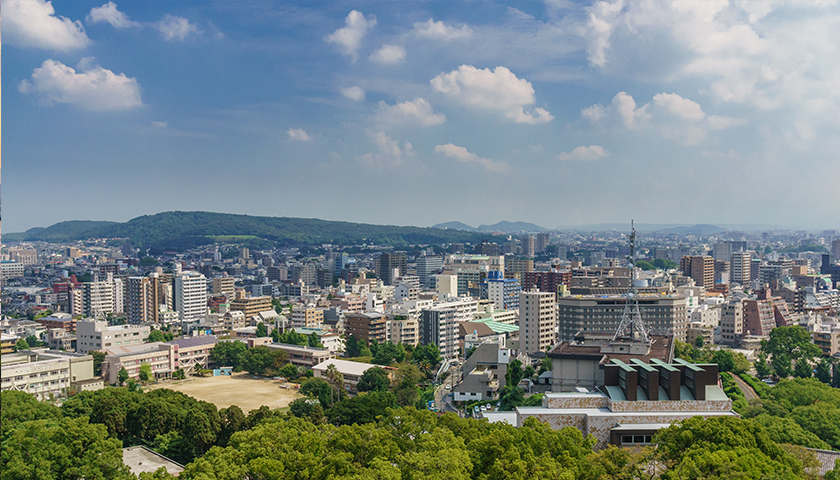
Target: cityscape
<point x="585" y="240"/>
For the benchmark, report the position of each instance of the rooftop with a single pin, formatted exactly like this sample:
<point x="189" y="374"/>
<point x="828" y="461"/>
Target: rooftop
<point x="140" y="459"/>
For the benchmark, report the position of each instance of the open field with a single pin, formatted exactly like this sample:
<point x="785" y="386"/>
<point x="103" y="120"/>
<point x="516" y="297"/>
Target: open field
<point x="241" y="389"/>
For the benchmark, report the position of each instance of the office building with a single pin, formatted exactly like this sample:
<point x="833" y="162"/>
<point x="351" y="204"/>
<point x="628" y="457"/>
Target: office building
<point x="586" y="314"/>
<point x="542" y="242"/>
<point x="528" y="245"/>
<point x="391" y="266"/>
<point x="98" y="335"/>
<point x="546" y="281"/>
<point x="427" y="267"/>
<point x="251" y="306"/>
<point x="537" y="321"/>
<point x="503" y="292"/>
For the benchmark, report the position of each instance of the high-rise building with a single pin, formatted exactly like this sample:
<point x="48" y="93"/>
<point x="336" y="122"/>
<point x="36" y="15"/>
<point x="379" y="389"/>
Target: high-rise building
<point x="391" y="266"/>
<point x="190" y="295"/>
<point x="537" y="321"/>
<point x="519" y="265"/>
<point x="529" y="245"/>
<point x="740" y="268"/>
<point x="701" y="269"/>
<point x="732" y="323"/>
<point x="427" y="267"/>
<point x="224" y="286"/>
<point x="835" y="249"/>
<point x="439" y="324"/>
<point x="251" y="306"/>
<point x="140" y="301"/>
<point x="542" y="242"/>
<point x="546" y="281"/>
<point x="367" y="326"/>
<point x="504" y="292"/>
<point x="102" y="297"/>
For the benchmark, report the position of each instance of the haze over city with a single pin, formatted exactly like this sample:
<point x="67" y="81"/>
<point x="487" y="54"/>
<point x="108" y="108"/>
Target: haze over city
<point x="557" y="112"/>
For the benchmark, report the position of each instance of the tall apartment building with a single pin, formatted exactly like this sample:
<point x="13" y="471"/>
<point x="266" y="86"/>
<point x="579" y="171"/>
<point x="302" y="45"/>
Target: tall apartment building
<point x="542" y="242"/>
<point x="503" y="292"/>
<point x="427" y="267"/>
<point x="732" y="323"/>
<point x="764" y="313"/>
<point x="664" y="315"/>
<point x="545" y="281"/>
<point x="439" y="324"/>
<point x="223" y="286"/>
<point x="141" y="304"/>
<point x="391" y="266"/>
<point x="367" y="326"/>
<point x="98" y="335"/>
<point x="404" y="329"/>
<point x="190" y="295"/>
<point x="529" y="245"/>
<point x="701" y="269"/>
<point x="519" y="265"/>
<point x="102" y="297"/>
<point x="740" y="268"/>
<point x="537" y="321"/>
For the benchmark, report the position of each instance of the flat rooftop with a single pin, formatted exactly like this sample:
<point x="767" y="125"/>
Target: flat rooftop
<point x="661" y="348"/>
<point x="140" y="459"/>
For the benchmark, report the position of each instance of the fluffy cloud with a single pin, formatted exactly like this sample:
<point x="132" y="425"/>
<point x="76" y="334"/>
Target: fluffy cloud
<point x="349" y="38"/>
<point x="33" y="23"/>
<point x="584" y="154"/>
<point x="175" y="28"/>
<point x="92" y="87"/>
<point x="389" y="54"/>
<point x="354" y="93"/>
<point x="670" y="114"/>
<point x="108" y="13"/>
<point x="462" y="155"/>
<point x="159" y="124"/>
<point x="497" y="89"/>
<point x="416" y="112"/>
<point x="441" y="31"/>
<point x="389" y="152"/>
<point x="298" y="134"/>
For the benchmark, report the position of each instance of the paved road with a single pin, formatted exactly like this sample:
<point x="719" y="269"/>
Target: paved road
<point x="443" y="397"/>
<point x="749" y="393"/>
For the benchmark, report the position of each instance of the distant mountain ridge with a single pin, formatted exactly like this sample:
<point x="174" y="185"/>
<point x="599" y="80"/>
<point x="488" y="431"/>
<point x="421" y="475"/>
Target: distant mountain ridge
<point x="501" y="227"/>
<point x="180" y="230"/>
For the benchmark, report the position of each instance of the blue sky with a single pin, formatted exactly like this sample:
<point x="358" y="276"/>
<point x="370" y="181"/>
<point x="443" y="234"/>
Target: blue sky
<point x="414" y="113"/>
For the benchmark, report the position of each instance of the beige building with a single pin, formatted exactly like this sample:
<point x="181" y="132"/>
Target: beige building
<point x="98" y="335"/>
<point x="47" y="374"/>
<point x="159" y="355"/>
<point x="537" y="321"/>
<point x="351" y="371"/>
<point x="405" y="330"/>
<point x="304" y="356"/>
<point x="252" y="306"/>
<point x="732" y="323"/>
<point x="307" y="316"/>
<point x="224" y="286"/>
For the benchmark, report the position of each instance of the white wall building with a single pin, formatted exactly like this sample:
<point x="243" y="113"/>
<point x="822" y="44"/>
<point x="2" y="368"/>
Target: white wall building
<point x="190" y="295"/>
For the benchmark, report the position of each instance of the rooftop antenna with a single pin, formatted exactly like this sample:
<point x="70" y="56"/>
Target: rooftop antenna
<point x="631" y="326"/>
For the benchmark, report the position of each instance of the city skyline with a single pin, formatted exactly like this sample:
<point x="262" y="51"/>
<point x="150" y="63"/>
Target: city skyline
<point x="555" y="113"/>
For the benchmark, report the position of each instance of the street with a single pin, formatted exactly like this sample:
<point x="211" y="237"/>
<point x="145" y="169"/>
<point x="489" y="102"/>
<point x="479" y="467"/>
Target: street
<point x="443" y="396"/>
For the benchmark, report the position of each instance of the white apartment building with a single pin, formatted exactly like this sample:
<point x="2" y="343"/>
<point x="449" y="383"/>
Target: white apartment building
<point x="537" y="321"/>
<point x="740" y="268"/>
<point x="439" y="324"/>
<point x="99" y="298"/>
<point x="190" y="295"/>
<point x="98" y="335"/>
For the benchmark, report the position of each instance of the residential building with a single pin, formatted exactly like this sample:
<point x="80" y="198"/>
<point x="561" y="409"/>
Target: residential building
<point x="251" y="306"/>
<point x="537" y="321"/>
<point x="10" y="269"/>
<point x="98" y="335"/>
<point x="484" y="373"/>
<point x="307" y="316"/>
<point x="542" y="242"/>
<point x="141" y="300"/>
<point x="367" y="326"/>
<point x="740" y="268"/>
<point x="549" y="281"/>
<point x="528" y="245"/>
<point x="518" y="265"/>
<point x="102" y="297"/>
<point x="764" y="313"/>
<point x="404" y="329"/>
<point x="732" y="323"/>
<point x="223" y="286"/>
<point x="439" y="324"/>
<point x="503" y="292"/>
<point x="699" y="268"/>
<point x="190" y="295"/>
<point x="391" y="265"/>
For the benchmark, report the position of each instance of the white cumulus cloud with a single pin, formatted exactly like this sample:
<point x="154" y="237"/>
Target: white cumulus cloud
<point x="463" y="155"/>
<point x="91" y="87"/>
<point x="349" y="38"/>
<point x="175" y="28"/>
<point x="389" y="54"/>
<point x="584" y="154"/>
<point x="108" y="13"/>
<point x="33" y="23"/>
<point x="441" y="31"/>
<point x="414" y="112"/>
<point x="354" y="93"/>
<point x="670" y="114"/>
<point x="498" y="89"/>
<point x="298" y="134"/>
<point x="389" y="152"/>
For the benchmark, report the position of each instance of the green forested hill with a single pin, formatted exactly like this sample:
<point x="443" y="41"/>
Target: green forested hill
<point x="184" y="229"/>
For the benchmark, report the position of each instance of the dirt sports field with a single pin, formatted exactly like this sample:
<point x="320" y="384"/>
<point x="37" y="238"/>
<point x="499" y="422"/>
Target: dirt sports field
<point x="241" y="389"/>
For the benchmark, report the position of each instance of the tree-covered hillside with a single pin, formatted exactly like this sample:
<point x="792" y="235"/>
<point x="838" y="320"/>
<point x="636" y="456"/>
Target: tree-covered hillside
<point x="187" y="229"/>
